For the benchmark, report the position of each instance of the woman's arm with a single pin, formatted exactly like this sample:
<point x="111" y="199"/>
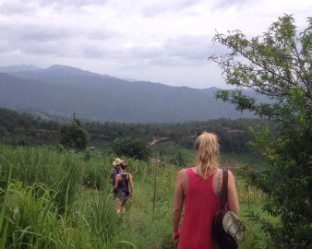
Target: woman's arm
<point x="177" y="205"/>
<point x="131" y="185"/>
<point x="117" y="179"/>
<point x="232" y="194"/>
<point x="112" y="172"/>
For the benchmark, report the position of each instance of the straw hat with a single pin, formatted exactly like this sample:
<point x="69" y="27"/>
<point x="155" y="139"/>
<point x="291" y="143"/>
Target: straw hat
<point x="117" y="161"/>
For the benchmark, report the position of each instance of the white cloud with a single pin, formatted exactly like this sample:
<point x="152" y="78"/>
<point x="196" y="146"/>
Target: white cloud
<point x="69" y="3"/>
<point x="165" y="41"/>
<point x="160" y="7"/>
<point x="16" y="7"/>
<point x="223" y="4"/>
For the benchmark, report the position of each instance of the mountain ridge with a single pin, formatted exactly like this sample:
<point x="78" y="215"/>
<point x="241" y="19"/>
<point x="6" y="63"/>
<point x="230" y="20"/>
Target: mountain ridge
<point x="94" y="97"/>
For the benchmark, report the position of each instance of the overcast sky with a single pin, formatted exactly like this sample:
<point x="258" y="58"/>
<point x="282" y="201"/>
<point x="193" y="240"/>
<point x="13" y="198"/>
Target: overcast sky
<point x="165" y="41"/>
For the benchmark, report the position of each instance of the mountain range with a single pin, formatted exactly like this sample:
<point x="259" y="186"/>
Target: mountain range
<point x="63" y="90"/>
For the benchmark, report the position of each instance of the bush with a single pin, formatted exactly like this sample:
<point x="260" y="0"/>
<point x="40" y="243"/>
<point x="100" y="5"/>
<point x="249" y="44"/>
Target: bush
<point x="131" y="148"/>
<point x="73" y="135"/>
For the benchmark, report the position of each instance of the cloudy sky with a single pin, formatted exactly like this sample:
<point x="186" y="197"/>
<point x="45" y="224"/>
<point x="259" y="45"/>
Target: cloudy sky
<point x="165" y="41"/>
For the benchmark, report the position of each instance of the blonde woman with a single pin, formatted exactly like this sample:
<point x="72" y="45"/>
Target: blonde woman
<point x="199" y="190"/>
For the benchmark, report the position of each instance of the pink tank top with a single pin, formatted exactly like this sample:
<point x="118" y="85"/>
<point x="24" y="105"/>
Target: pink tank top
<point x="201" y="204"/>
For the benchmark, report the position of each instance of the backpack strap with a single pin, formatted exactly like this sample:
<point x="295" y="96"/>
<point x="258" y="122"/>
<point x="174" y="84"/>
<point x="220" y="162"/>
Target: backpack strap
<point x="218" y="183"/>
<point x="186" y="173"/>
<point x="224" y="188"/>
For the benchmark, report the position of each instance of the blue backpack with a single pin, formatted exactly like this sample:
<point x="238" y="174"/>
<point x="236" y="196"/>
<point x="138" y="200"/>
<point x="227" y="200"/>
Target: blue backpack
<point x="117" y="171"/>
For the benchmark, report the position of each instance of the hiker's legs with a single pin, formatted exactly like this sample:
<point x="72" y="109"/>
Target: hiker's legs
<point x="118" y="206"/>
<point x="122" y="206"/>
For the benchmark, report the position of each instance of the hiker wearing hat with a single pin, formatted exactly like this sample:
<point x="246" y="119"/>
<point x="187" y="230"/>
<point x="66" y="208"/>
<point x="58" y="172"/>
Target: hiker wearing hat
<point x="121" y="188"/>
<point x="116" y="169"/>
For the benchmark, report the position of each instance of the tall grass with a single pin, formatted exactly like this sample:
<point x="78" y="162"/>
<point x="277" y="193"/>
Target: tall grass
<point x="44" y="203"/>
<point x="101" y="217"/>
<point x="30" y="219"/>
<point x="96" y="171"/>
<point x="61" y="172"/>
<point x="52" y="199"/>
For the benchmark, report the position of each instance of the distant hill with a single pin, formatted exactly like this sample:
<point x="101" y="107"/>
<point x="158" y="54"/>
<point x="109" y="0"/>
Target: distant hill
<point x="56" y="72"/>
<point x="18" y="68"/>
<point x="62" y="90"/>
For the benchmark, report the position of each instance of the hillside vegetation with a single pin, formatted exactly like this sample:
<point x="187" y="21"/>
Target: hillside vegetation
<point x="26" y="129"/>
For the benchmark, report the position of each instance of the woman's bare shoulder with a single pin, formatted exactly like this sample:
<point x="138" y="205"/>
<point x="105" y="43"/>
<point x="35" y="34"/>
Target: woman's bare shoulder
<point x="230" y="173"/>
<point x="181" y="172"/>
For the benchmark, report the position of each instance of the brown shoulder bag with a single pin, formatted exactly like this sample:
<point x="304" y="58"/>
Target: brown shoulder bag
<point x="227" y="229"/>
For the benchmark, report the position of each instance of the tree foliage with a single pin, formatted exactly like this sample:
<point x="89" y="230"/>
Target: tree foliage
<point x="73" y="135"/>
<point x="233" y="134"/>
<point x="18" y="128"/>
<point x="131" y="148"/>
<point x="278" y="64"/>
<point x="22" y="128"/>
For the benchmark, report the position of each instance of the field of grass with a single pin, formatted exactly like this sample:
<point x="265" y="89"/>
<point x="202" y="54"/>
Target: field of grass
<point x="56" y="199"/>
<point x="170" y="152"/>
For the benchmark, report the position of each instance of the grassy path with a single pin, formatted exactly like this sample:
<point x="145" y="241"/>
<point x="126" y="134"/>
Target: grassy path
<point x="141" y="227"/>
<point x="145" y="229"/>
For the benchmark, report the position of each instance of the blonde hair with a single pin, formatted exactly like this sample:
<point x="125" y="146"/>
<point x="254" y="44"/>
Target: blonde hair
<point x="207" y="150"/>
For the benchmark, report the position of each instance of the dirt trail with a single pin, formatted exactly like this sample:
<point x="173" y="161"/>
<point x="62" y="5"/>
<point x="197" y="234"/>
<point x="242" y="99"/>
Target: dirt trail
<point x="233" y="166"/>
<point x="229" y="165"/>
<point x="156" y="160"/>
<point x="157" y="140"/>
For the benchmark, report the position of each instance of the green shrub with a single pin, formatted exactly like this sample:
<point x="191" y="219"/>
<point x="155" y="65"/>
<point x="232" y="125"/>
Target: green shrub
<point x="131" y="148"/>
<point x="73" y="135"/>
